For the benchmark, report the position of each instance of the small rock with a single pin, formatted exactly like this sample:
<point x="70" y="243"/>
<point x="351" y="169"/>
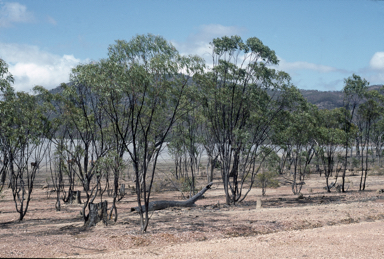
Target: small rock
<point x="380" y="191"/>
<point x="258" y="203"/>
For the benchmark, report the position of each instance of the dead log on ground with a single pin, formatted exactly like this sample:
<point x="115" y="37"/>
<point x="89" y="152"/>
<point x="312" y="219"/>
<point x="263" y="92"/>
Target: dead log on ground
<point x="160" y="205"/>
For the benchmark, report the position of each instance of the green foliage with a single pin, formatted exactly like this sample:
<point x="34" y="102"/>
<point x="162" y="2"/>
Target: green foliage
<point x="185" y="184"/>
<point x="331" y="137"/>
<point x="23" y="126"/>
<point x="144" y="87"/>
<point x="355" y="162"/>
<point x="330" y="130"/>
<point x="355" y="87"/>
<point x="242" y="98"/>
<point x="229" y="45"/>
<point x="272" y="160"/>
<point x="6" y="78"/>
<point x="265" y="180"/>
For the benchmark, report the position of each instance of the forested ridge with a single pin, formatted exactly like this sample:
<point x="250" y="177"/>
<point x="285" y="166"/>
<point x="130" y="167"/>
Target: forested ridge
<point x="328" y="99"/>
<point x="322" y="99"/>
<point x="250" y="121"/>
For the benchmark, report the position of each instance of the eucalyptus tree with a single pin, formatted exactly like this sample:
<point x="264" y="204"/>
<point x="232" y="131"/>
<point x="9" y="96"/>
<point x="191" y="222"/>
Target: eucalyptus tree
<point x="87" y="140"/>
<point x="53" y="141"/>
<point x="24" y="128"/>
<point x="194" y="122"/>
<point x="297" y="136"/>
<point x="330" y="138"/>
<point x="354" y="90"/>
<point x="63" y="170"/>
<point x="57" y="168"/>
<point x="267" y="178"/>
<point x="188" y="138"/>
<point x="210" y="149"/>
<point x="6" y="79"/>
<point x="143" y="94"/>
<point x="56" y="149"/>
<point x="378" y="132"/>
<point x="242" y="97"/>
<point x="368" y="112"/>
<point x="176" y="150"/>
<point x="378" y="138"/>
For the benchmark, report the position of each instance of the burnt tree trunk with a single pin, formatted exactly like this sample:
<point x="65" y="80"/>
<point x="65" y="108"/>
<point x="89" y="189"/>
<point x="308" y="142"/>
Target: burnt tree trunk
<point x="58" y="205"/>
<point x="74" y="197"/>
<point x="121" y="192"/>
<point x="97" y="213"/>
<point x="160" y="205"/>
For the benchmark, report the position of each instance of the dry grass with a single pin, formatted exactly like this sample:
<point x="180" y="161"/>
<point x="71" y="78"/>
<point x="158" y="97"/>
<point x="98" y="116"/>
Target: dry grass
<point x="48" y="233"/>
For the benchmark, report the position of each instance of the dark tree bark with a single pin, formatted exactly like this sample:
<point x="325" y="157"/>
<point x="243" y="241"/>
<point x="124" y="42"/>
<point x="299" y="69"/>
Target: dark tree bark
<point x="74" y="197"/>
<point x="97" y="213"/>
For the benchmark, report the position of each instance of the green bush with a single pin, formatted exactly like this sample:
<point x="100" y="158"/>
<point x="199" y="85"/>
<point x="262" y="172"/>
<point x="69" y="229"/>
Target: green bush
<point x="267" y="179"/>
<point x="186" y="184"/>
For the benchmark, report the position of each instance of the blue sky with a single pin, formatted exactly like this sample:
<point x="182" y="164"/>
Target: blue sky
<point x="319" y="43"/>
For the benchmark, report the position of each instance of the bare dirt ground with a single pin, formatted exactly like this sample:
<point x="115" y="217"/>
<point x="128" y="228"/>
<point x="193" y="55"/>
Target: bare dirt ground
<point x="321" y="225"/>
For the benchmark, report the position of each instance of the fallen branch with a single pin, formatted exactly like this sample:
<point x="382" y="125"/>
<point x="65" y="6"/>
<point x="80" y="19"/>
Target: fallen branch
<point x="160" y="205"/>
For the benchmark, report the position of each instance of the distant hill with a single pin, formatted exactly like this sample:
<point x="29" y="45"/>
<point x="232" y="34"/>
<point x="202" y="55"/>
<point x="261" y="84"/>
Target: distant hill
<point x="328" y="99"/>
<point x="322" y="99"/>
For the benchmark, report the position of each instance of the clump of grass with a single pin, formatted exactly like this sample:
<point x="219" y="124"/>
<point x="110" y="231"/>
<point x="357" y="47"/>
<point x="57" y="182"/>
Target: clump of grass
<point x="376" y="170"/>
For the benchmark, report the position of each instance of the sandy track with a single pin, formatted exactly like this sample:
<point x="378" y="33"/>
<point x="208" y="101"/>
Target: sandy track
<point x="361" y="240"/>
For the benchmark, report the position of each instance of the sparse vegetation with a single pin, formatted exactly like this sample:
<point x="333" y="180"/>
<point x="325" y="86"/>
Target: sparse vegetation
<point x="242" y="119"/>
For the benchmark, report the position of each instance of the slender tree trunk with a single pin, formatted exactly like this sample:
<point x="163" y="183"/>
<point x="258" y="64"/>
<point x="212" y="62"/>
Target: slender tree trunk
<point x="58" y="206"/>
<point x="366" y="164"/>
<point x="327" y="182"/>
<point x="345" y="167"/>
<point x="209" y="177"/>
<point x="226" y="183"/>
<point x="362" y="168"/>
<point x="357" y="147"/>
<point x="294" y="185"/>
<point x="379" y="154"/>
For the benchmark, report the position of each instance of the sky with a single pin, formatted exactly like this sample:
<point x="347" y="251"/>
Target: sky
<point x="319" y="43"/>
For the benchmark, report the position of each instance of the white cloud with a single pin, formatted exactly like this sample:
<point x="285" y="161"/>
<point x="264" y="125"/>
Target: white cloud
<point x="377" y="61"/>
<point x="31" y="66"/>
<point x="14" y="13"/>
<point x="374" y="72"/>
<point x="303" y="65"/>
<point x="210" y="31"/>
<point x="51" y="20"/>
<point x="198" y="43"/>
